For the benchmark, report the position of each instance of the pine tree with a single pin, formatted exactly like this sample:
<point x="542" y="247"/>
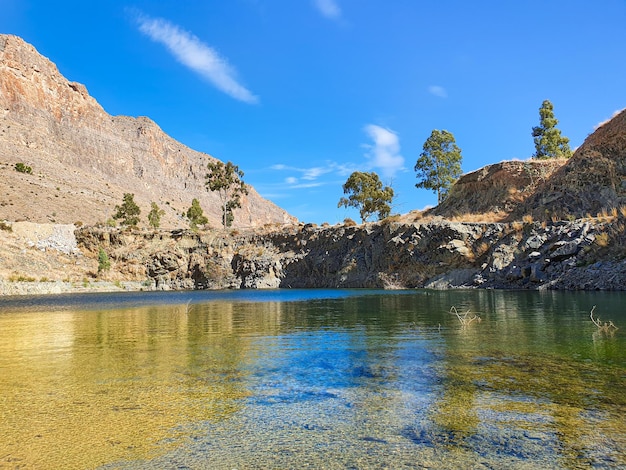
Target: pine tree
<point x="195" y="215"/>
<point x="548" y="140"/>
<point x="128" y="212"/>
<point x="103" y="261"/>
<point x="155" y="214"/>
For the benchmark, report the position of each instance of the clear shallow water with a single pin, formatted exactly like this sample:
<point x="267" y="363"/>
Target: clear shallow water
<point x="312" y="378"/>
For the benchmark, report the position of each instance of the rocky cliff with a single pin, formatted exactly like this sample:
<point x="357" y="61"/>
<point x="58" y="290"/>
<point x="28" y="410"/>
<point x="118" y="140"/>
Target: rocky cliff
<point x="585" y="254"/>
<point x="83" y="159"/>
<point x="592" y="181"/>
<point x="495" y="191"/>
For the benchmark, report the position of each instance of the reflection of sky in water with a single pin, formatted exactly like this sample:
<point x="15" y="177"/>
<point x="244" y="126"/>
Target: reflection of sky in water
<point x="337" y="381"/>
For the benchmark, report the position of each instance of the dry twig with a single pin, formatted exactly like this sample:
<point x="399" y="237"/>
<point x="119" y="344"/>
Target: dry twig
<point x="606" y="326"/>
<point x="464" y="318"/>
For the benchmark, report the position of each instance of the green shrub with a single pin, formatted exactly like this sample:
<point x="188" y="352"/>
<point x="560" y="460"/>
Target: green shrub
<point x="22" y="168"/>
<point x="103" y="261"/>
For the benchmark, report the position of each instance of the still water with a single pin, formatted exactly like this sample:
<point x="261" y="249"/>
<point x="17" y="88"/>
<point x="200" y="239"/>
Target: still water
<point x="312" y="379"/>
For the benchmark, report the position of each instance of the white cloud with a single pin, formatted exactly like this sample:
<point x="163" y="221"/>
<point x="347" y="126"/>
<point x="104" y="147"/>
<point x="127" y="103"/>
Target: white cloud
<point x="438" y="91"/>
<point x="312" y="175"/>
<point x="385" y="153"/>
<point x="600" y="124"/>
<point x="189" y="50"/>
<point x="329" y="8"/>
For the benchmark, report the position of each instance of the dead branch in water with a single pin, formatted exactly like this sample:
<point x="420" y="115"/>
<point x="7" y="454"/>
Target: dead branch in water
<point x="464" y="318"/>
<point x="607" y="327"/>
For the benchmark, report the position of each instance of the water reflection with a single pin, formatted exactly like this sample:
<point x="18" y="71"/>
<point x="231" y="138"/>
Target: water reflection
<point x="361" y="381"/>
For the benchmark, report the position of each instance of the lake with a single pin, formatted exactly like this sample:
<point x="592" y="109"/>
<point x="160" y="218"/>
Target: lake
<point x="313" y="379"/>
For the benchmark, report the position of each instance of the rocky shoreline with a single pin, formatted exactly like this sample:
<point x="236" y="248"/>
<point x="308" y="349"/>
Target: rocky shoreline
<point x="578" y="255"/>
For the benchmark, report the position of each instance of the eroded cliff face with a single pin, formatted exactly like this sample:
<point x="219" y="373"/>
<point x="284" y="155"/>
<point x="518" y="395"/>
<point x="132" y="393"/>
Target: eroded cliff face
<point x="565" y="255"/>
<point x="592" y="181"/>
<point x="84" y="159"/>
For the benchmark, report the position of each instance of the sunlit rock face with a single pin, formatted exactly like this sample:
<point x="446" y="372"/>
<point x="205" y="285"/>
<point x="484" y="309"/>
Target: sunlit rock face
<point x="84" y="159"/>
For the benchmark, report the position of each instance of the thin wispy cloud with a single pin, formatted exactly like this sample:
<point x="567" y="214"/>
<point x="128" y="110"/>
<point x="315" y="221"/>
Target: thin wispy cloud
<point x="384" y="154"/>
<point x="438" y="91"/>
<point x="328" y="8"/>
<point x="309" y="177"/>
<point x="190" y="51"/>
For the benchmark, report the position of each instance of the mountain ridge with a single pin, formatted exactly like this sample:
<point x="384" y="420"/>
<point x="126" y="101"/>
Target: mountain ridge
<point x="84" y="159"/>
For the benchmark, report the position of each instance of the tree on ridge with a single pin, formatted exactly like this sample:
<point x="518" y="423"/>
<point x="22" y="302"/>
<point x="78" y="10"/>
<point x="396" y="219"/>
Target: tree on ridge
<point x="367" y="194"/>
<point x="439" y="164"/>
<point x="549" y="143"/>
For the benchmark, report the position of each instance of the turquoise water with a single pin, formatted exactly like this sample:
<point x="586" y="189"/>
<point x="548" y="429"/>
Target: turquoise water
<point x="312" y="379"/>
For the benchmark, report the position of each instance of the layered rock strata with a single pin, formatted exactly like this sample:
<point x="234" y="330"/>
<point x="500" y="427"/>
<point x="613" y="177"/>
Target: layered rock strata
<point x="83" y="160"/>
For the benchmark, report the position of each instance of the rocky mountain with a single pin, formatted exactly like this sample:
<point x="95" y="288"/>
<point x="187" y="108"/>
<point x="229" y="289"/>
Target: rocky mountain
<point x="83" y="160"/>
<point x="592" y="181"/>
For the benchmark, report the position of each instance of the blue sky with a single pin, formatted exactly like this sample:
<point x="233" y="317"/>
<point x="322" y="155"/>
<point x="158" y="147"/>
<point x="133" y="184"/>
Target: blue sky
<point x="300" y="93"/>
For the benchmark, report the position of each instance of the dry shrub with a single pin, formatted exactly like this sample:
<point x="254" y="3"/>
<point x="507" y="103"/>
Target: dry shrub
<point x="517" y="226"/>
<point x="602" y="239"/>
<point x="527" y="219"/>
<point x="486" y="217"/>
<point x="392" y="218"/>
<point x="348" y="222"/>
<point x="417" y="215"/>
<point x="481" y="249"/>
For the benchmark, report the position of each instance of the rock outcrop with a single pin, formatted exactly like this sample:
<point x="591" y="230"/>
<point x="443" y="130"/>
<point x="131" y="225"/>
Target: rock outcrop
<point x="592" y="181"/>
<point x="565" y="255"/>
<point x="497" y="190"/>
<point x="83" y="160"/>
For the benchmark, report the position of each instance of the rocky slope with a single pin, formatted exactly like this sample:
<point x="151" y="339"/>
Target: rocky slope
<point x="83" y="159"/>
<point x="591" y="182"/>
<point x="495" y="191"/>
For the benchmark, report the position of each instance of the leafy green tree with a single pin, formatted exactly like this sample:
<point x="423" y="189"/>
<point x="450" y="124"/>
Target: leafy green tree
<point x="128" y="212"/>
<point x="103" y="261"/>
<point x="155" y="214"/>
<point x="195" y="215"/>
<point x="227" y="180"/>
<point x="366" y="193"/>
<point x="439" y="164"/>
<point x="549" y="143"/>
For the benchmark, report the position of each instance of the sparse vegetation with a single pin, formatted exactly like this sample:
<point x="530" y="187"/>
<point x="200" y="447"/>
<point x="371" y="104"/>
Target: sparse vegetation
<point x="602" y="239"/>
<point x="23" y="168"/>
<point x="6" y="226"/>
<point x="16" y="277"/>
